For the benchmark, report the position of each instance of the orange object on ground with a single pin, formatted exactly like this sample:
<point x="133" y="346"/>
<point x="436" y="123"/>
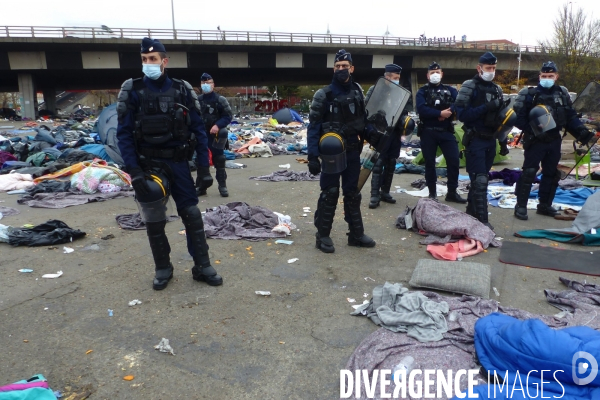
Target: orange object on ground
<point x="453" y="251"/>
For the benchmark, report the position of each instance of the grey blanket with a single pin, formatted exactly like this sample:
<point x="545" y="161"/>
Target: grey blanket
<point x="445" y="224"/>
<point x="68" y="199"/>
<point x="134" y="221"/>
<point x="238" y="220"/>
<point x="9" y="211"/>
<point x="394" y="308"/>
<point x="383" y="348"/>
<point x="285" y="175"/>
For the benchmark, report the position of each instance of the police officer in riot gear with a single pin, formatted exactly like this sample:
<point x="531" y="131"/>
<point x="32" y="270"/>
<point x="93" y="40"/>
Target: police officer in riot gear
<point x="338" y="109"/>
<point x="159" y="129"/>
<point x="383" y="171"/>
<point x="478" y="104"/>
<point x="217" y="115"/>
<point x="435" y="105"/>
<point x="542" y="112"/>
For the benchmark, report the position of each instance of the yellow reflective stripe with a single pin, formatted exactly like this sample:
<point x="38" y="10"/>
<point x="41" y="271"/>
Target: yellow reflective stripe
<point x="159" y="181"/>
<point x="334" y="135"/>
<point x="508" y="115"/>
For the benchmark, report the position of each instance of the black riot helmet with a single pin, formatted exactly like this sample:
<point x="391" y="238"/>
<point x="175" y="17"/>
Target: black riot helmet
<point x="153" y="205"/>
<point x="507" y="118"/>
<point x="221" y="138"/>
<point x="333" y="153"/>
<point x="407" y="125"/>
<point x="541" y="120"/>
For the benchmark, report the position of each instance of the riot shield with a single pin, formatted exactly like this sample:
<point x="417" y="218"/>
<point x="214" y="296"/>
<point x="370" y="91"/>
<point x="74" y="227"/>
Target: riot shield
<point x="384" y="107"/>
<point x="587" y="106"/>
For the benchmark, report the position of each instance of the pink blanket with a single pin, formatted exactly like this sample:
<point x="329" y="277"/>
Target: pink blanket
<point x="457" y="250"/>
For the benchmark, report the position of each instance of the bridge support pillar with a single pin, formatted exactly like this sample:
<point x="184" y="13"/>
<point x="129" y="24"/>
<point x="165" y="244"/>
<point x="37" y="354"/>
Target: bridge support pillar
<point x="27" y="90"/>
<point x="50" y="99"/>
<point x="414" y="87"/>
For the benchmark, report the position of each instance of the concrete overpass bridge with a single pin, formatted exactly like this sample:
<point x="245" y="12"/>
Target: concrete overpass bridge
<point x="48" y="59"/>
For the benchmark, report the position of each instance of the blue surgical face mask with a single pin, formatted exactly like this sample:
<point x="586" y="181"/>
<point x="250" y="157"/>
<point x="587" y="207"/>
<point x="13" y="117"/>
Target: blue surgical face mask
<point x="152" y="71"/>
<point x="396" y="82"/>
<point x="547" y="83"/>
<point x="206" y="88"/>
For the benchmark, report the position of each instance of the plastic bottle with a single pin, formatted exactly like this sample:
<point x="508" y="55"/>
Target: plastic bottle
<point x="404" y="365"/>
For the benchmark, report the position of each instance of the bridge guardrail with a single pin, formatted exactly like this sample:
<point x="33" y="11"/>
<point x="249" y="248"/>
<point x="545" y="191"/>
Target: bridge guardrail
<point x="242" y="36"/>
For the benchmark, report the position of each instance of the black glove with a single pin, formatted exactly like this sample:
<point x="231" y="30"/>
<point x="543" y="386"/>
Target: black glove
<point x="504" y="148"/>
<point x="373" y="135"/>
<point x="138" y="181"/>
<point x="204" y="179"/>
<point x="314" y="165"/>
<point x="493" y="105"/>
<point x="585" y="135"/>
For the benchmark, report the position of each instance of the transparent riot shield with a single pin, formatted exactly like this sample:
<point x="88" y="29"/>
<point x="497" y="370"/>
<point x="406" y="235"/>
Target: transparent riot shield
<point x="384" y="107"/>
<point x="587" y="107"/>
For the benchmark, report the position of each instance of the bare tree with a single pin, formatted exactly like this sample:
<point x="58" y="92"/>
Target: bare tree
<point x="575" y="47"/>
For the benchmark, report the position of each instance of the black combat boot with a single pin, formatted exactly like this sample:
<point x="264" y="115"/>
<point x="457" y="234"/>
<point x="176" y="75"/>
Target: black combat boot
<point x="324" y="218"/>
<point x="159" y="244"/>
<point x="479" y="199"/>
<point x="432" y="192"/>
<point x="356" y="236"/>
<point x="375" y="195"/>
<point x="204" y="180"/>
<point x="546" y="209"/>
<point x="388" y="177"/>
<point x="221" y="175"/>
<point x="454" y="197"/>
<point x="546" y="198"/>
<point x="194" y="229"/>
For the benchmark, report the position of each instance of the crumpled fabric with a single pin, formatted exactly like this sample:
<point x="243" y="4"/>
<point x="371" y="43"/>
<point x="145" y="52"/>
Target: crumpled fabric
<point x="15" y="182"/>
<point x="445" y="224"/>
<point x="8" y="211"/>
<point x="51" y="232"/>
<point x="456" y="250"/>
<point x="383" y="349"/>
<point x="87" y="180"/>
<point x="53" y="186"/>
<point x="6" y="156"/>
<point x="68" y="199"/>
<point x="134" y="221"/>
<point x="582" y="296"/>
<point x="393" y="307"/>
<point x="508" y="176"/>
<point x="285" y="175"/>
<point x="238" y="220"/>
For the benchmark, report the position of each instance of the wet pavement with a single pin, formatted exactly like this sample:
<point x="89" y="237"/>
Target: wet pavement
<point x="228" y="341"/>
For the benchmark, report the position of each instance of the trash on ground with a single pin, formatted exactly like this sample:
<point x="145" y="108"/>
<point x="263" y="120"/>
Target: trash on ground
<point x="286" y="166"/>
<point x="134" y="303"/>
<point x="496" y="291"/>
<point x="281" y="241"/>
<point x="128" y="378"/>
<point x="164" y="346"/>
<point x="92" y="247"/>
<point x="351" y="300"/>
<point x="263" y="293"/>
<point x="292" y="260"/>
<point x="110" y="312"/>
<point x="367" y="278"/>
<point x="284" y="228"/>
<point x="25" y="270"/>
<point x="107" y="237"/>
<point x="360" y="305"/>
<point x="68" y="250"/>
<point x="499" y="238"/>
<point x="52" y="276"/>
<point x="89" y="351"/>
<point x="366" y="295"/>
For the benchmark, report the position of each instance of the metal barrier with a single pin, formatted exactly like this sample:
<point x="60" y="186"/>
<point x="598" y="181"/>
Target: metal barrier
<point x="241" y="36"/>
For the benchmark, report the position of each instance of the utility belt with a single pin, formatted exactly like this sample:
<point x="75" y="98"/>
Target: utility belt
<point x="470" y="133"/>
<point x="183" y="152"/>
<point x="438" y="129"/>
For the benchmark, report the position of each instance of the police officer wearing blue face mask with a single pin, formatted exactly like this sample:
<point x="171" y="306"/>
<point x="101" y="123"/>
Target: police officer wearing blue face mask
<point x="435" y="105"/>
<point x="217" y="115"/>
<point x="383" y="171"/>
<point x="335" y="135"/>
<point x="159" y="128"/>
<point x="478" y="105"/>
<point x="547" y="105"/>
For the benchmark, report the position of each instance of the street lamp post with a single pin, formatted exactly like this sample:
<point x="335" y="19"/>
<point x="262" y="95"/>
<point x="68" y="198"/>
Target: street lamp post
<point x="173" y="17"/>
<point x="519" y="69"/>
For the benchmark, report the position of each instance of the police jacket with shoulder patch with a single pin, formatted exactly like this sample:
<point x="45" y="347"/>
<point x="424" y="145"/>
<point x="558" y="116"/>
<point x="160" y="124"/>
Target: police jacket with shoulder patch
<point x="556" y="99"/>
<point x="215" y="110"/>
<point x="470" y="103"/>
<point x="431" y="100"/>
<point x="162" y="114"/>
<point x="337" y="108"/>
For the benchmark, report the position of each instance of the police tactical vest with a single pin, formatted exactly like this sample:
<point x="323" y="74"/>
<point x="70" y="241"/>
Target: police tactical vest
<point x="438" y="97"/>
<point x="557" y="101"/>
<point x="162" y="117"/>
<point x="210" y="111"/>
<point x="346" y="113"/>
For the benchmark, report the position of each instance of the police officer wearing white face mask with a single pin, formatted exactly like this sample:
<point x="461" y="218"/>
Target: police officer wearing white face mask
<point x="435" y="105"/>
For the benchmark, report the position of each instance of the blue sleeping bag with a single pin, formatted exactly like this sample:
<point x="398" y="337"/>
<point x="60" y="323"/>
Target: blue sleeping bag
<point x="504" y="344"/>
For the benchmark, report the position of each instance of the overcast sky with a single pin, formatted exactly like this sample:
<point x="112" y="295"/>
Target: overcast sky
<point x="523" y="21"/>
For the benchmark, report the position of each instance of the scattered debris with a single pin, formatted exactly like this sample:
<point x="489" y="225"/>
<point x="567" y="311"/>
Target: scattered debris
<point x="281" y="241"/>
<point x="110" y="312"/>
<point x="360" y="305"/>
<point x="164" y="346"/>
<point x="52" y="276"/>
<point x="89" y="351"/>
<point x="369" y="278"/>
<point x="292" y="260"/>
<point x="286" y="166"/>
<point x="134" y="303"/>
<point x="128" y="378"/>
<point x="366" y="295"/>
<point x="263" y="293"/>
<point x="281" y="342"/>
<point x="351" y="300"/>
<point x="25" y="270"/>
<point x="496" y="291"/>
<point x="68" y="250"/>
<point x="107" y="237"/>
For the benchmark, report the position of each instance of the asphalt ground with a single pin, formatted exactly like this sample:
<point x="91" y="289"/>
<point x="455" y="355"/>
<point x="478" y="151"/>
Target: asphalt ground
<point x="228" y="341"/>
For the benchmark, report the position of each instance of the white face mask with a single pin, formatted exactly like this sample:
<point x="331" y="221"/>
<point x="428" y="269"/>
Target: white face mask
<point x="487" y="76"/>
<point x="435" y="78"/>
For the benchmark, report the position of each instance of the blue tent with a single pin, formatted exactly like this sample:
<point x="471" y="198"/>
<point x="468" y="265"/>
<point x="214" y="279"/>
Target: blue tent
<point x="287" y="115"/>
